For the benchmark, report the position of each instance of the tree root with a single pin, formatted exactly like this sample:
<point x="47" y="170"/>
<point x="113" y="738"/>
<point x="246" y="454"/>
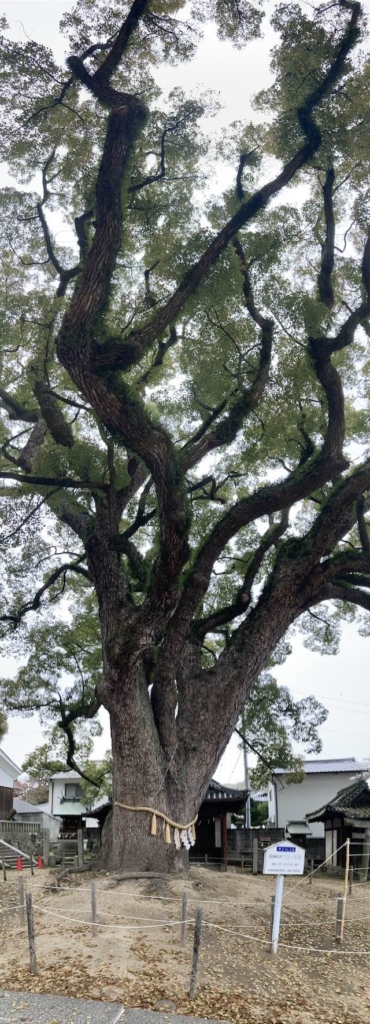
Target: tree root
<point x="144" y="874"/>
<point x="91" y="866"/>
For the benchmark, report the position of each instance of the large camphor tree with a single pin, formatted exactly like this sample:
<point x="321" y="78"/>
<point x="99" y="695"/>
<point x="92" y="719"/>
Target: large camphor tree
<point x="183" y="397"/>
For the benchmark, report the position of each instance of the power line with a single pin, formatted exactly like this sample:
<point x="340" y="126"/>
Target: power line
<point x="338" y="700"/>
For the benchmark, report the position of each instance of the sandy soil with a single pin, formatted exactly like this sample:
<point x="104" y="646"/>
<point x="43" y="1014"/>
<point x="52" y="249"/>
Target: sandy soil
<point x="238" y="980"/>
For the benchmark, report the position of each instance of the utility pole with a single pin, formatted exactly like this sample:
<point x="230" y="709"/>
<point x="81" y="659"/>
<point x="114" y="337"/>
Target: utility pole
<point x="247" y="786"/>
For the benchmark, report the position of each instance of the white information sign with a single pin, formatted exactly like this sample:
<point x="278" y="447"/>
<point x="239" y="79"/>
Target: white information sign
<point x="283" y="858"/>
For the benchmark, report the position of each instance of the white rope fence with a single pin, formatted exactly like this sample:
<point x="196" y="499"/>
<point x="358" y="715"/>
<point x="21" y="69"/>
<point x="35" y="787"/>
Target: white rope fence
<point x="288" y="945"/>
<point x="130" y="924"/>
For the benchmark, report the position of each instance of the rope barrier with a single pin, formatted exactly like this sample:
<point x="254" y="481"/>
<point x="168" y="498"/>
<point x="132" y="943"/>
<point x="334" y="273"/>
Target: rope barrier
<point x="288" y="945"/>
<point x="128" y="927"/>
<point x="311" y="873"/>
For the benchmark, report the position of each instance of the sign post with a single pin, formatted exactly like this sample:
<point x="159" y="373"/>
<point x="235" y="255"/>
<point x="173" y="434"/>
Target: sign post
<point x="283" y="858"/>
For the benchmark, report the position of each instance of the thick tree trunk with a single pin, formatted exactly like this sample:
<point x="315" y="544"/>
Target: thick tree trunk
<point x="142" y="777"/>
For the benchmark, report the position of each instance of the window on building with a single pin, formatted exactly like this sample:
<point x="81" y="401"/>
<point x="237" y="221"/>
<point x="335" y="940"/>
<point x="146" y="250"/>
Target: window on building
<point x="73" y="791"/>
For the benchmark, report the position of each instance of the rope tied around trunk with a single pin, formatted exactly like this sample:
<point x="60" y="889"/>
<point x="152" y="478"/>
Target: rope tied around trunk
<point x="184" y="835"/>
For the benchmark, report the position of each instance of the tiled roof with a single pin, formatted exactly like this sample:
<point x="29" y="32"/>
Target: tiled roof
<point x="347" y="803"/>
<point x="340" y="764"/>
<point x="72" y="809"/>
<point x="217" y="791"/>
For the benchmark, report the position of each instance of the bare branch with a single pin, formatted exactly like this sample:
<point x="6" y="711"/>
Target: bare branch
<point x="64" y="275"/>
<point x="34" y="605"/>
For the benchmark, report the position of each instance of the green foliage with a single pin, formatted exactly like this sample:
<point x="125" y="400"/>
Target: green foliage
<point x="40" y="765"/>
<point x="178" y="190"/>
<point x="271" y="721"/>
<point x="3" y="725"/>
<point x="43" y="762"/>
<point x="259" y="812"/>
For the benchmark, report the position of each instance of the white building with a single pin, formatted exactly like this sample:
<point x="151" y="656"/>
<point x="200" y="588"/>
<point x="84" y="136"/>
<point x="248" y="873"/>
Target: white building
<point x="8" y="773"/>
<point x="67" y="801"/>
<point x="289" y="803"/>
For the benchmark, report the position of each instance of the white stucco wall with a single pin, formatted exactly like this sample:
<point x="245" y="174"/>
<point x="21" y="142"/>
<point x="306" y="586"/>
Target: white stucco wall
<point x="56" y="793"/>
<point x="299" y="799"/>
<point x="5" y="779"/>
<point x="8" y="771"/>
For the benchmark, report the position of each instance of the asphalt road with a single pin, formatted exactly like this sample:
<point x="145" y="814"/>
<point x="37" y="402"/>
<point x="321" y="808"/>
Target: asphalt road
<point x="24" y="1008"/>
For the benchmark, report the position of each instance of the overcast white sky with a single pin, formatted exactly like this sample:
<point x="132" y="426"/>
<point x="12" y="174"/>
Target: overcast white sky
<point x="341" y="682"/>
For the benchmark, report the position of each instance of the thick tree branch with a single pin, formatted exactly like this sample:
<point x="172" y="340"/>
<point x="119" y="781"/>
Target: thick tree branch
<point x="135" y="559"/>
<point x="15" y="410"/>
<point x="243" y="160"/>
<point x="125" y="354"/>
<point x="327" y="257"/>
<point x="242" y="600"/>
<point x="338" y="591"/>
<point x="357" y="316"/>
<point x="33" y="445"/>
<point x="113" y="58"/>
<point x="362" y="525"/>
<point x="59" y="427"/>
<point x="47" y="481"/>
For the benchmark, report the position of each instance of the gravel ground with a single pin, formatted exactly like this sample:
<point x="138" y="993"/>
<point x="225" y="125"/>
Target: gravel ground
<point x="24" y="1008"/>
<point x="135" y="960"/>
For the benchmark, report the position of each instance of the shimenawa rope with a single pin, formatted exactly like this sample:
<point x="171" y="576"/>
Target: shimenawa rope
<point x="183" y="834"/>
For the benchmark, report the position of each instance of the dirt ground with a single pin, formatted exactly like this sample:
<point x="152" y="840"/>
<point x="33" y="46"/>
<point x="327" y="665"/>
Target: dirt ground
<point x="238" y="979"/>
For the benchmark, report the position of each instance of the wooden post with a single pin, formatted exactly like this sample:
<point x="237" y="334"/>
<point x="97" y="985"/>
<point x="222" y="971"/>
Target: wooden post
<point x="80" y="848"/>
<point x="31" y="933"/>
<point x="350" y="881"/>
<point x="194" y="966"/>
<point x="338" y="922"/>
<point x="75" y="861"/>
<point x="93" y="908"/>
<point x="46" y="848"/>
<point x="345" y="893"/>
<point x="255" y="855"/>
<point x="184" y="915"/>
<point x="224" y="841"/>
<point x="272" y="920"/>
<point x="241" y="864"/>
<point x="365" y="857"/>
<point x="31" y="864"/>
<point x="3" y="865"/>
<point x="21" y="912"/>
<point x="310" y="868"/>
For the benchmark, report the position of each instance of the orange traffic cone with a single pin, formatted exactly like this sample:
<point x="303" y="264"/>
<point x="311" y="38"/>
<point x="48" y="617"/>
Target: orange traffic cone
<point x="39" y="862"/>
<point x="19" y="864"/>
